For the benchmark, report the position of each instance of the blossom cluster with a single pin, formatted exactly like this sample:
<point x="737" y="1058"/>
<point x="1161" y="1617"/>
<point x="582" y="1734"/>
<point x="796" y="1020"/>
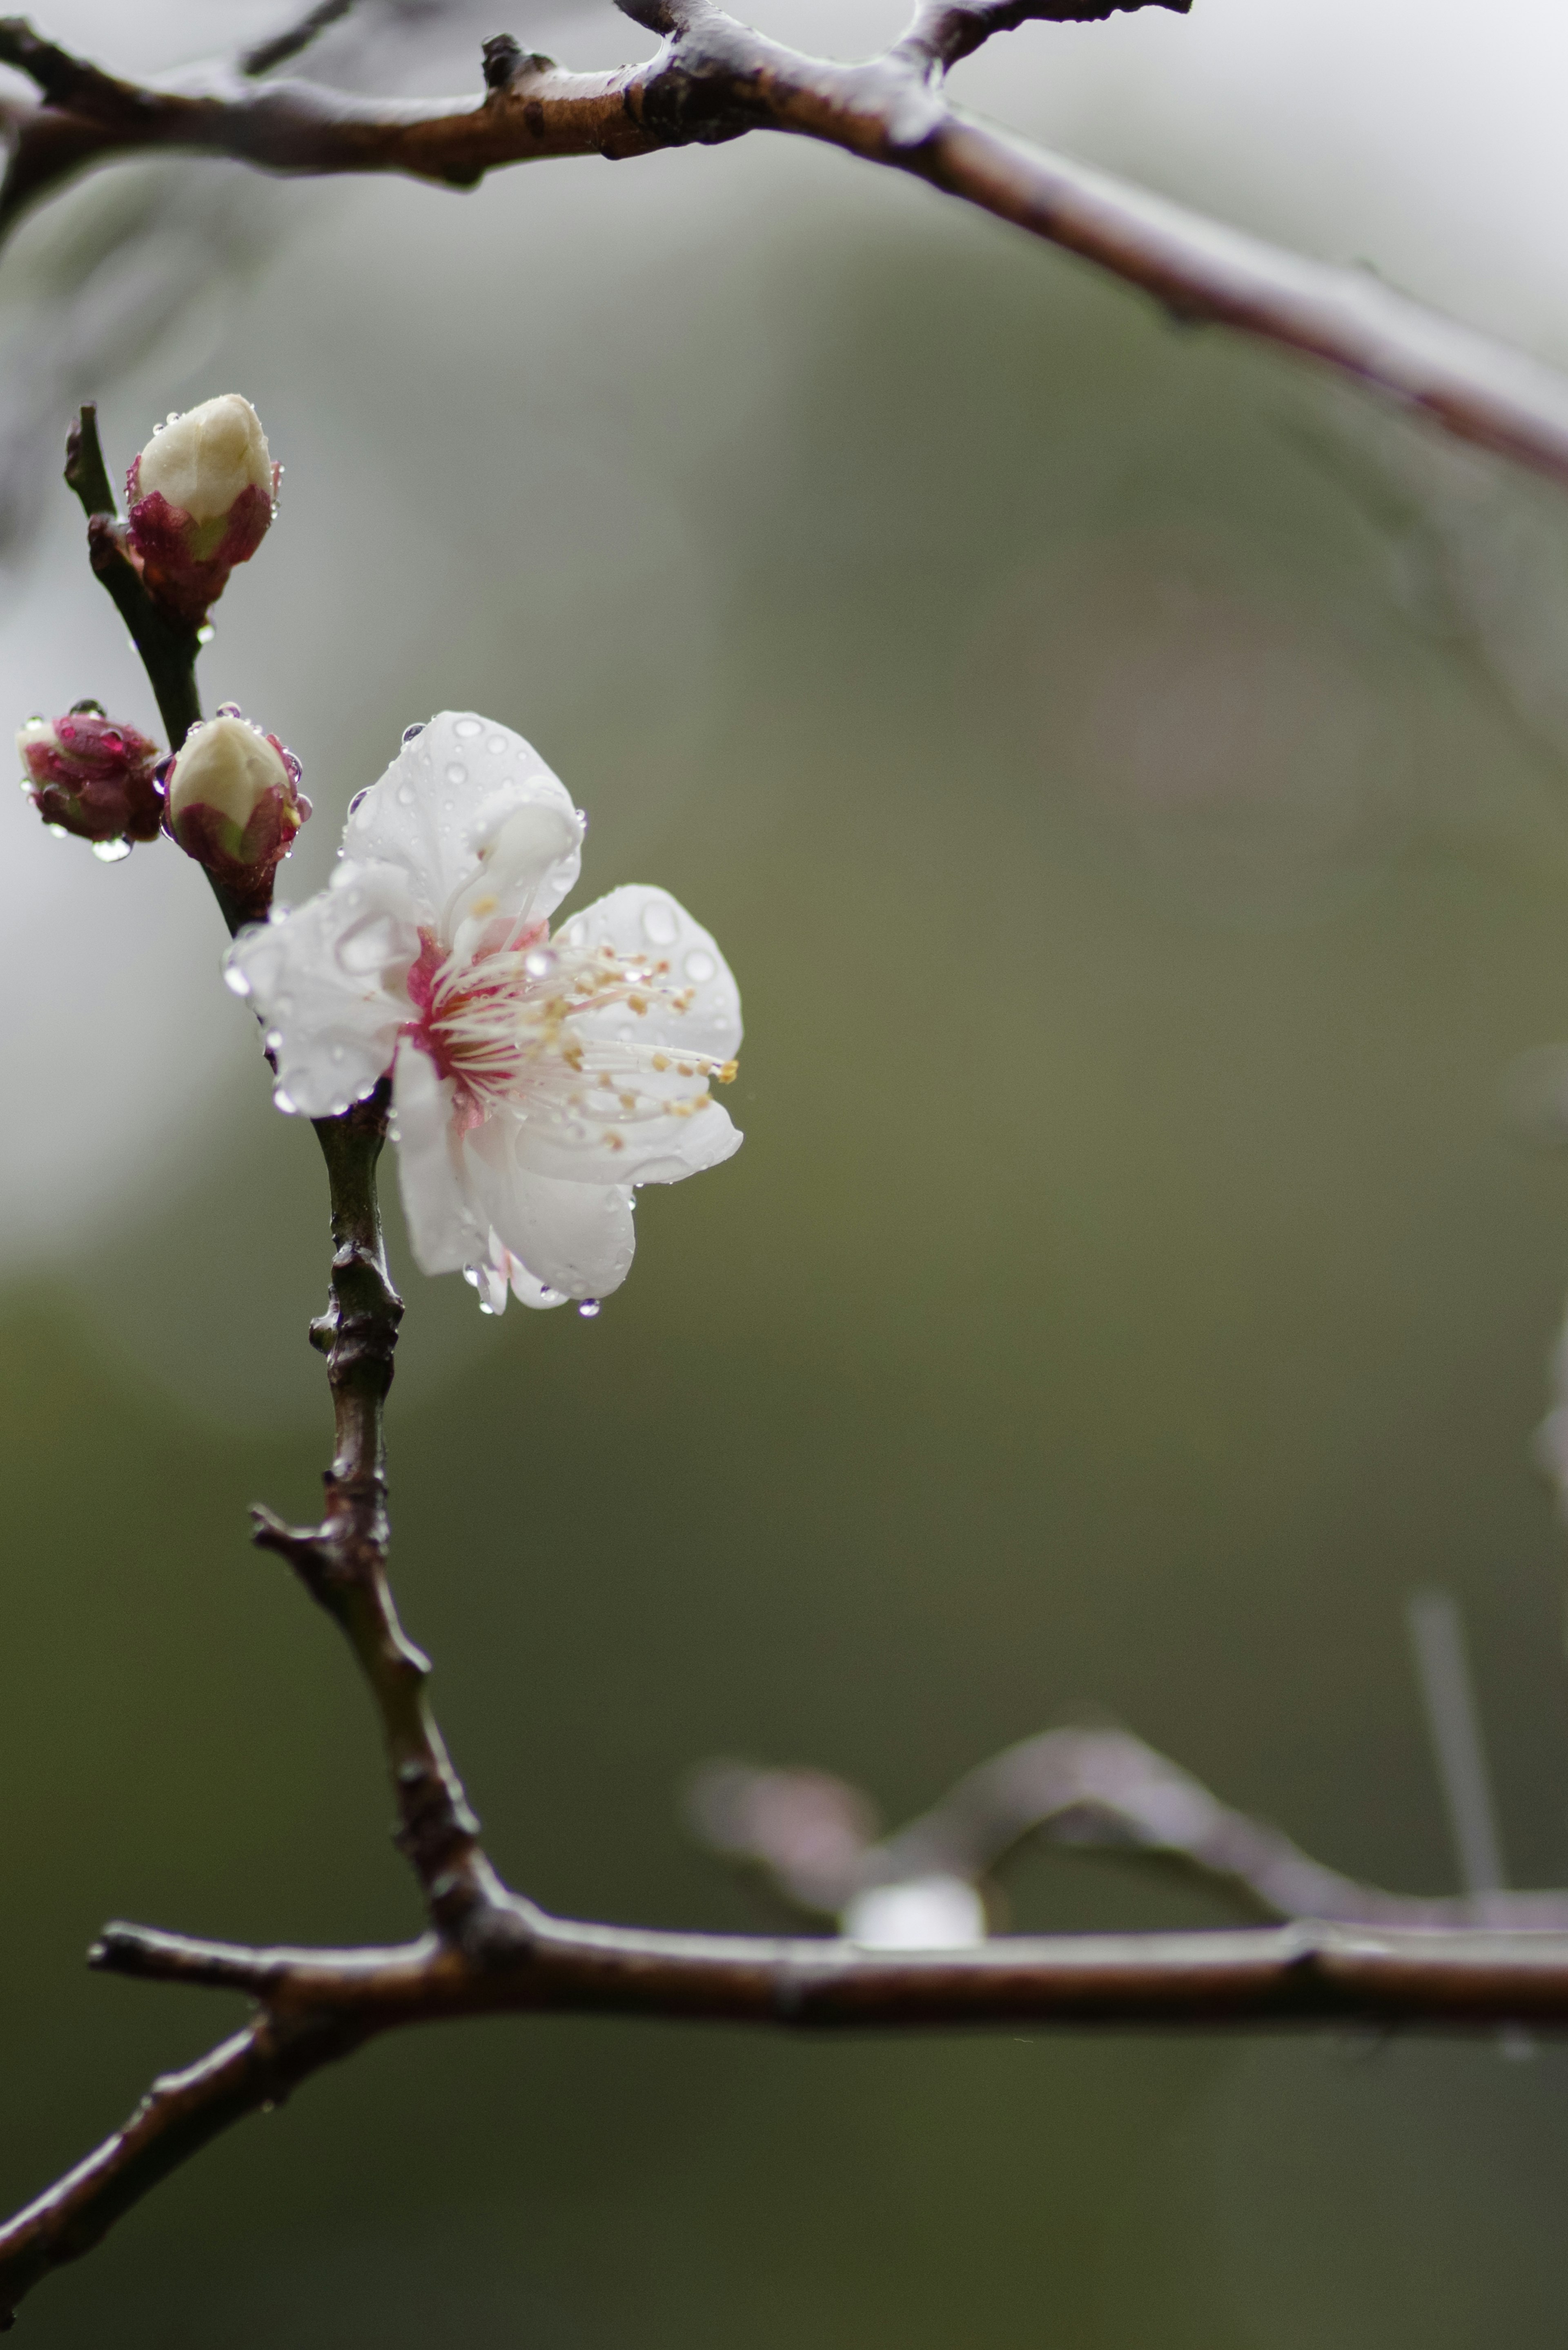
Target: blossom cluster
<point x="537" y="1079"/>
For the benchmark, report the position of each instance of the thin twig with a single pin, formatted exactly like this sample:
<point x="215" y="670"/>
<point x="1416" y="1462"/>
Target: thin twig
<point x="343" y="1562"/>
<point x="281" y="47"/>
<point x="715" y="79"/>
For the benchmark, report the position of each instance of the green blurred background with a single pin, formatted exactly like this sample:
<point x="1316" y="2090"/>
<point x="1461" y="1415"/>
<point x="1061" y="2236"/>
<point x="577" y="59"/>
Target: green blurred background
<point x="1128" y="783"/>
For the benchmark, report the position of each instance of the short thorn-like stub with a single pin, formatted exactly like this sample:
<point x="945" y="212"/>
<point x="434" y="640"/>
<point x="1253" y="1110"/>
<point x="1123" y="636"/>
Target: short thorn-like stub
<point x="201" y="496"/>
<point x="94" y="777"/>
<point x="233" y="802"/>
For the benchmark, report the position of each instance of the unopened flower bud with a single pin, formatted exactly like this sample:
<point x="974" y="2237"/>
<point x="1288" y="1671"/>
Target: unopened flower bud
<point x="233" y="801"/>
<point x="200" y="495"/>
<point x="92" y="775"/>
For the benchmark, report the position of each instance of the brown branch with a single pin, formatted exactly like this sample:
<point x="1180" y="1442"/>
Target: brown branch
<point x="715" y="79"/>
<point x="181" y="2113"/>
<point x="342" y="1562"/>
<point x="1356" y="1955"/>
<point x="318" y="2005"/>
<point x="1304" y="1972"/>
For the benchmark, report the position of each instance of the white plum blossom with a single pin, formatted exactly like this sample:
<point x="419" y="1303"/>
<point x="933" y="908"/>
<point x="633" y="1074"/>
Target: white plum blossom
<point x="535" y="1078"/>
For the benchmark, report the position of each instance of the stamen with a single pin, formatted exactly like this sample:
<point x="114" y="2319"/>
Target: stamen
<point x="502" y="1025"/>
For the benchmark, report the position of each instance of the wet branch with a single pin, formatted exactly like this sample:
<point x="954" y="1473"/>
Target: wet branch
<point x="714" y="80"/>
<point x="1357" y="1955"/>
<point x="342" y="1562"/>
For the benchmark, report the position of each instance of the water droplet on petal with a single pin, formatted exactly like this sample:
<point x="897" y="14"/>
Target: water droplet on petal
<point x="54" y="831"/>
<point x="659" y="921"/>
<point x="410" y="732"/>
<point x="468" y="727"/>
<point x="700" y="964"/>
<point x="110" y="852"/>
<point x="235" y="979"/>
<point x="406" y="794"/>
<point x="359" y="800"/>
<point x="540" y="964"/>
<point x="456" y="773"/>
<point x="284" y="1100"/>
<point x="273" y="1040"/>
<point x="230" y="710"/>
<point x="589" y="1308"/>
<point x="496" y="745"/>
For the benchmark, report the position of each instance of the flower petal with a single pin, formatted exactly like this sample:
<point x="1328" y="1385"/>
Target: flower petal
<point x="660" y="1142"/>
<point x="574" y="1237"/>
<point x="528" y="1290"/>
<point x="327" y="980"/>
<point x="640" y="923"/>
<point x="443" y="1230"/>
<point x="444" y="798"/>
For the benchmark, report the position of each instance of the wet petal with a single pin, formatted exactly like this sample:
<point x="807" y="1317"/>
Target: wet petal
<point x="660" y="1142"/>
<point x="530" y="1291"/>
<point x="442" y="802"/>
<point x="327" y="980"/>
<point x="443" y="1230"/>
<point x="642" y="923"/>
<point x="574" y="1237"/>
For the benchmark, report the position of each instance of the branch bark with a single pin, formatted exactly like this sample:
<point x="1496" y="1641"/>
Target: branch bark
<point x="342" y="1562"/>
<point x="714" y="79"/>
<point x="317" y="2006"/>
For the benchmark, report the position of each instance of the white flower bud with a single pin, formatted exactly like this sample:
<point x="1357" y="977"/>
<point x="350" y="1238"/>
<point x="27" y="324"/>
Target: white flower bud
<point x="229" y="767"/>
<point x="203" y="461"/>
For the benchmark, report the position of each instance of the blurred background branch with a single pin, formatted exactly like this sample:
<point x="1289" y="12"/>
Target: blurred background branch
<point x="714" y="80"/>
